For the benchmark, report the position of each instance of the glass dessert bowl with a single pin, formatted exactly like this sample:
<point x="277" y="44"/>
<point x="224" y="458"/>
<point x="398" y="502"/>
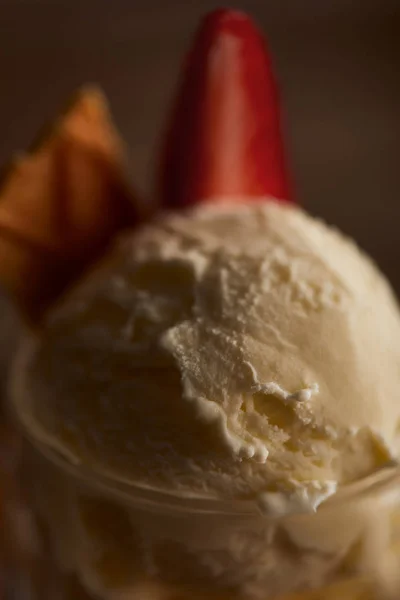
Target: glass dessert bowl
<point x="103" y="539"/>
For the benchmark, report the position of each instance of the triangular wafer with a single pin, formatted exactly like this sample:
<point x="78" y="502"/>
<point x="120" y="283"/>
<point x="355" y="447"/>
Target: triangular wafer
<point x="62" y="202"/>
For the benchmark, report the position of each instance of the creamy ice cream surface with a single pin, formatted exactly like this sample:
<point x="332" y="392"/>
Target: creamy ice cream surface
<point x="230" y="351"/>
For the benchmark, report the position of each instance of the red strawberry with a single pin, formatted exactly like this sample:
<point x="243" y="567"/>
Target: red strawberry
<point x="225" y="135"/>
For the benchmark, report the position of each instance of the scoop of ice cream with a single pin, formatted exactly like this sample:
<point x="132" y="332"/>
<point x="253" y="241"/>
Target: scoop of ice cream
<point x="246" y="351"/>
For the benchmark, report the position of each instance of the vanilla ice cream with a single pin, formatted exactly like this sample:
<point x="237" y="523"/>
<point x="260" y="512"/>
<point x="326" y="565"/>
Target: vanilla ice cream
<point x="244" y="352"/>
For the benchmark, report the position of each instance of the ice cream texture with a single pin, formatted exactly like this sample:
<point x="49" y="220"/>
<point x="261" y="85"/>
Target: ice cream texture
<point x="234" y="351"/>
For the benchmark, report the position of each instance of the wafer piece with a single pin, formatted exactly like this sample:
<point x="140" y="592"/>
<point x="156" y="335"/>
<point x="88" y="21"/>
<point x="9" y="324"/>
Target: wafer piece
<point x="62" y="202"/>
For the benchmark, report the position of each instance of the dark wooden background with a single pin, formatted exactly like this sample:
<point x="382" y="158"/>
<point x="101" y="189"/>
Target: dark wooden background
<point x="338" y="62"/>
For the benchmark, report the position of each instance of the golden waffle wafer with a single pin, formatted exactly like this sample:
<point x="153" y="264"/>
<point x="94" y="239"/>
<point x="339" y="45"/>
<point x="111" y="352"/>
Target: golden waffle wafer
<point x="62" y="202"/>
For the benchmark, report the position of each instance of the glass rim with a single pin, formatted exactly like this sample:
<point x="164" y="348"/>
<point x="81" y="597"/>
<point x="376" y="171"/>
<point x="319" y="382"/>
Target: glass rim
<point x="384" y="478"/>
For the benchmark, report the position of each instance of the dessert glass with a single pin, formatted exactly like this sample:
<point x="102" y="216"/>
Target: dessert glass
<point x="96" y="538"/>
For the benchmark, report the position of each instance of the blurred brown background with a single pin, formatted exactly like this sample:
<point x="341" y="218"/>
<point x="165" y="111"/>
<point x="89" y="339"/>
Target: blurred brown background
<point x="337" y="60"/>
